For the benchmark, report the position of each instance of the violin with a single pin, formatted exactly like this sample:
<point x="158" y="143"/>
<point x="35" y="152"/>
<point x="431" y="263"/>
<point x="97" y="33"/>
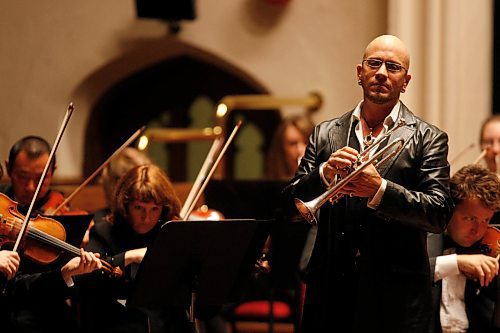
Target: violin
<point x="45" y="237"/>
<point x="490" y="243"/>
<point x="56" y="205"/>
<point x="52" y="206"/>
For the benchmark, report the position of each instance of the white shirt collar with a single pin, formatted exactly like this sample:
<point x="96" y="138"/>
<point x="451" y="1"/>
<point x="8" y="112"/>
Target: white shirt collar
<point x="388" y="121"/>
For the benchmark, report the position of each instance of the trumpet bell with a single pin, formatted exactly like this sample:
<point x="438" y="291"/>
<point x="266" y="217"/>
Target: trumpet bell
<point x="306" y="211"/>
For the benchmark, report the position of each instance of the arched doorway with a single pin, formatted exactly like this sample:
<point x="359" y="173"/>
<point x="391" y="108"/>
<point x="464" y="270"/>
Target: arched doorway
<point x="169" y="84"/>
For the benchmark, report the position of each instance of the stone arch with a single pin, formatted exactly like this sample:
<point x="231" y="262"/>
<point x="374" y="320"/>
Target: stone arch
<point x="157" y="77"/>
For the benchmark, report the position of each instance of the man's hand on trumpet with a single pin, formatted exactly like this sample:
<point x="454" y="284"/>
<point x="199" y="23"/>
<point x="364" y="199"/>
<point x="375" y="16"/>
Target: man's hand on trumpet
<point x="339" y="163"/>
<point x="365" y="184"/>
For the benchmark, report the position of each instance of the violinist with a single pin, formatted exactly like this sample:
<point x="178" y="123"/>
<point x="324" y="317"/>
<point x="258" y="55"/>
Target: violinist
<point x="143" y="198"/>
<point x="25" y="165"/>
<point x="32" y="302"/>
<point x="128" y="158"/>
<point x="27" y="159"/>
<point x="465" y="280"/>
<point x="9" y="260"/>
<point x="9" y="263"/>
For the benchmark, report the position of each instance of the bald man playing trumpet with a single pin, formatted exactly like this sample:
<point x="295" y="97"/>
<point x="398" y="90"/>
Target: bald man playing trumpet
<point x="369" y="269"/>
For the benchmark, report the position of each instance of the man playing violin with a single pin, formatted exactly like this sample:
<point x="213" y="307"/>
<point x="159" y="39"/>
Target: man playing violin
<point x="458" y="266"/>
<point x="22" y="288"/>
<point x="25" y="165"/>
<point x="369" y="270"/>
<point x="27" y="159"/>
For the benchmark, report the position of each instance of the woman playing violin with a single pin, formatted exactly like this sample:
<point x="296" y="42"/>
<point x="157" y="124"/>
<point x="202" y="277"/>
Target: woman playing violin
<point x="144" y="198"/>
<point x="457" y="264"/>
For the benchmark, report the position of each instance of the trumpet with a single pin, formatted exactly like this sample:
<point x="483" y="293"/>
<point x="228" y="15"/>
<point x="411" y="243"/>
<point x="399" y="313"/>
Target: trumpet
<point x="309" y="209"/>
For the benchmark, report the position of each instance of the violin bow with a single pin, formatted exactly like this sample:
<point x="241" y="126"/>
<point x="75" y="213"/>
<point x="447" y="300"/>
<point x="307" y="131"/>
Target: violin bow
<point x="214" y="167"/>
<point x="99" y="169"/>
<point x="69" y="112"/>
<point x="461" y="153"/>
<point x="480" y="157"/>
<point x="209" y="161"/>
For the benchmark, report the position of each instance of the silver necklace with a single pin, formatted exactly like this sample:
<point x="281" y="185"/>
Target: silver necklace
<point x="368" y="139"/>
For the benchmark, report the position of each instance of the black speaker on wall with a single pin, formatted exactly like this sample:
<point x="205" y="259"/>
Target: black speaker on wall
<point x="168" y="10"/>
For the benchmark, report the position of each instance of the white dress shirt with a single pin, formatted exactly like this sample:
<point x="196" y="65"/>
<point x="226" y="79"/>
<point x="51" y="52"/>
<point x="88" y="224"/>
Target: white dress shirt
<point x="452" y="306"/>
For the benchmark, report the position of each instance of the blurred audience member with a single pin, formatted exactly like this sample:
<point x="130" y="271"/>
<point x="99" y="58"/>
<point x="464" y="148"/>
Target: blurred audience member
<point x="490" y="140"/>
<point x="287" y="147"/>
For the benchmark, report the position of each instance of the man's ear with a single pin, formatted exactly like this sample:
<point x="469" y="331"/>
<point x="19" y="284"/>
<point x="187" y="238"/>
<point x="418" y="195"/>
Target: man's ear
<point x="407" y="80"/>
<point x="405" y="83"/>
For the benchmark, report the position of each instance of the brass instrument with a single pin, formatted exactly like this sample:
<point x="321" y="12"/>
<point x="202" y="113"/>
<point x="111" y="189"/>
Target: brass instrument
<point x="309" y="209"/>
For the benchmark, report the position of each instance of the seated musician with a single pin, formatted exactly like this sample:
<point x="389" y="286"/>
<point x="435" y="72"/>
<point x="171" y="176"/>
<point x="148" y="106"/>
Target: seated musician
<point x="9" y="263"/>
<point x="17" y="316"/>
<point x="288" y="145"/>
<point x="144" y="198"/>
<point x="25" y="165"/>
<point x="127" y="159"/>
<point x="490" y="140"/>
<point x="27" y="159"/>
<point x="465" y="283"/>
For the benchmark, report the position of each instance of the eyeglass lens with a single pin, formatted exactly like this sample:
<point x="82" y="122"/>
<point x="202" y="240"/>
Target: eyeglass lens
<point x="391" y="66"/>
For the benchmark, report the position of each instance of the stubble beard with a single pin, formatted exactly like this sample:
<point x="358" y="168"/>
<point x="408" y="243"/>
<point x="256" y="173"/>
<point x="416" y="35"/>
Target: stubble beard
<point x="378" y="97"/>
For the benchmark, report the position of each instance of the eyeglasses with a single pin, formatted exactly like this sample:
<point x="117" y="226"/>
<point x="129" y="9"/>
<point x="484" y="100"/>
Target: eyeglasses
<point x="392" y="67"/>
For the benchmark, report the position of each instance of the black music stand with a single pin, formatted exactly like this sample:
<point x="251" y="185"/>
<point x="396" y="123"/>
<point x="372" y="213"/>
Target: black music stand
<point x="245" y="198"/>
<point x="287" y="246"/>
<point x="202" y="263"/>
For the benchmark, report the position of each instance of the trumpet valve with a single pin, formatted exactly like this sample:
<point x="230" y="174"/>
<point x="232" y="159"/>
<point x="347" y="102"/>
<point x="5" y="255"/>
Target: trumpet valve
<point x="335" y="198"/>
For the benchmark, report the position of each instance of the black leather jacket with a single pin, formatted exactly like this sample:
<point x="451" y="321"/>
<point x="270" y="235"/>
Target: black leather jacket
<point x="382" y="244"/>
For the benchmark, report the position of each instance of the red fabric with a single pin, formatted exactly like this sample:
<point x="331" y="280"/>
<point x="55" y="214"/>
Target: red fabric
<point x="260" y="310"/>
<point x="302" y="300"/>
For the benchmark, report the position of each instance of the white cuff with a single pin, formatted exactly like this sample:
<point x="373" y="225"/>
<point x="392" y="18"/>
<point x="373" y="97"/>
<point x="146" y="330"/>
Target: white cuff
<point x="69" y="282"/>
<point x="446" y="266"/>
<point x="375" y="201"/>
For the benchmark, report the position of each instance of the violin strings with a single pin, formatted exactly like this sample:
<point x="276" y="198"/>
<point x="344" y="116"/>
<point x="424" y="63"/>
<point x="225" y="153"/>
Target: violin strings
<point x="51" y="240"/>
<point x="43" y="237"/>
<point x="40" y="235"/>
